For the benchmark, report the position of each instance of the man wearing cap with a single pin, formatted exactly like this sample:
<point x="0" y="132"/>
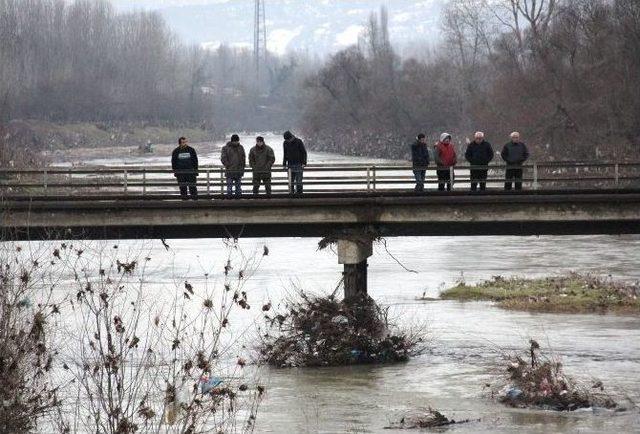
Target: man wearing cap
<point x="420" y="160"/>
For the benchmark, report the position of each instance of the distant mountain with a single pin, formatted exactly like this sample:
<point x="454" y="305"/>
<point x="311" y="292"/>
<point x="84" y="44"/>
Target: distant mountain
<point x="316" y="26"/>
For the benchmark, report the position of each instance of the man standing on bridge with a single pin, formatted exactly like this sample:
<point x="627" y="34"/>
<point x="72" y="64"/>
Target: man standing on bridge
<point x="420" y="160"/>
<point x="479" y="154"/>
<point x="184" y="163"/>
<point x="234" y="160"/>
<point x="514" y="153"/>
<point x="261" y="159"/>
<point x="295" y="158"/>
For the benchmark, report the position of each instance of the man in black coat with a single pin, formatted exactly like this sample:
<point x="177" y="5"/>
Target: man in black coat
<point x="420" y="160"/>
<point x="295" y="158"/>
<point x="184" y="163"/>
<point x="514" y="153"/>
<point x="479" y="154"/>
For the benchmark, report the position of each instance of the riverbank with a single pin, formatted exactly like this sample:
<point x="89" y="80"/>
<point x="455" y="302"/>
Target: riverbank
<point x="53" y="141"/>
<point x="573" y="293"/>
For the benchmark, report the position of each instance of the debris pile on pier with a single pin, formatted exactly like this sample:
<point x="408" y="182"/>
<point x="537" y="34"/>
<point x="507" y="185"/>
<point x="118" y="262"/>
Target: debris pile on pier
<point x="539" y="381"/>
<point x="322" y="331"/>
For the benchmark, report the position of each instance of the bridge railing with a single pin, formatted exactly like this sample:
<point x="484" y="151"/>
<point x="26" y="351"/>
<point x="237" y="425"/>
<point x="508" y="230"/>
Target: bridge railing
<point x="330" y="178"/>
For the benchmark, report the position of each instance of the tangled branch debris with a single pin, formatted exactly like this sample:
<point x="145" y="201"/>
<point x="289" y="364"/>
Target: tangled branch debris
<point x="321" y="331"/>
<point x="427" y="418"/>
<point x="540" y="382"/>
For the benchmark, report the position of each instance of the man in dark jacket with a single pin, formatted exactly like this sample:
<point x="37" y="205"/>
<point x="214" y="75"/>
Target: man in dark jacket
<point x="184" y="163"/>
<point x="295" y="158"/>
<point x="514" y="153"/>
<point x="479" y="154"/>
<point x="420" y="160"/>
<point x="261" y="159"/>
<point x="234" y="160"/>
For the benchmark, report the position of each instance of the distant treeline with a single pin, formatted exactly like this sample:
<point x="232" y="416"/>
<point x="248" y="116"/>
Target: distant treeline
<point x="83" y="61"/>
<point x="566" y="73"/>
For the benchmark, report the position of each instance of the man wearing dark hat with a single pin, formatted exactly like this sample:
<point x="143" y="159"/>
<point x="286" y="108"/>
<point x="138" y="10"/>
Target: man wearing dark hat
<point x="295" y="158"/>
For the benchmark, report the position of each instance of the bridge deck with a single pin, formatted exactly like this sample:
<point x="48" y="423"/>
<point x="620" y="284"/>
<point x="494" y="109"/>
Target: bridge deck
<point x="599" y="211"/>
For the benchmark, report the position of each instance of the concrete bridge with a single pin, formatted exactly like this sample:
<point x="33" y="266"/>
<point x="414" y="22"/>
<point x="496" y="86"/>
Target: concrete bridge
<point x="353" y="217"/>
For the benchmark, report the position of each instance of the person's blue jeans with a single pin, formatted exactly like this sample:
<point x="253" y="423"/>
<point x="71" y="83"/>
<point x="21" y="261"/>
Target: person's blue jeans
<point x="234" y="183"/>
<point x="420" y="176"/>
<point x="297" y="172"/>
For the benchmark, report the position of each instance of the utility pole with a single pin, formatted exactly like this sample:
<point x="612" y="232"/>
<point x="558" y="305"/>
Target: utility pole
<point x="259" y="40"/>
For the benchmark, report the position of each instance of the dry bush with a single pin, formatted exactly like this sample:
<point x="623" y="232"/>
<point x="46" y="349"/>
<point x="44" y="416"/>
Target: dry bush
<point x="28" y="316"/>
<point x="132" y="356"/>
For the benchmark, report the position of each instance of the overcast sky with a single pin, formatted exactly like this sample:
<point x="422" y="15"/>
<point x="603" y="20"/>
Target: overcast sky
<point x="319" y="26"/>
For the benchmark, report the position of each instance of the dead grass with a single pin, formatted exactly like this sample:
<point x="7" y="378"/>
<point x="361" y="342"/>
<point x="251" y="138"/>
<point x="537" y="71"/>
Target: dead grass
<point x="574" y="293"/>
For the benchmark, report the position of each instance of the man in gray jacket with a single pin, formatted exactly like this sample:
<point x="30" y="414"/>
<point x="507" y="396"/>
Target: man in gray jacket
<point x="514" y="153"/>
<point x="234" y="161"/>
<point x="261" y="159"/>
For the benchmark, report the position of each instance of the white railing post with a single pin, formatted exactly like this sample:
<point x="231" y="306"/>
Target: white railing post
<point x="144" y="182"/>
<point x="208" y="182"/>
<point x="617" y="174"/>
<point x="535" y="176"/>
<point x="126" y="186"/>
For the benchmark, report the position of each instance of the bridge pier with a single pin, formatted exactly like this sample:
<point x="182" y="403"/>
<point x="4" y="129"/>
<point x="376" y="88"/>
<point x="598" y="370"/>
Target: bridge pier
<point x="353" y="255"/>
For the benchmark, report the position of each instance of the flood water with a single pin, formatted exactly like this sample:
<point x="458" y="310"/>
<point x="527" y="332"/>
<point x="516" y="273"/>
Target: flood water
<point x="465" y="339"/>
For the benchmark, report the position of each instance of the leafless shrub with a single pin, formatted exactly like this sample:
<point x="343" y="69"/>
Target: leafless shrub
<point x="132" y="357"/>
<point x="28" y="316"/>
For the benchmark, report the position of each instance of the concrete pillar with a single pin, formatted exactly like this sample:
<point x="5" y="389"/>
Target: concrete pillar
<point x="353" y="255"/>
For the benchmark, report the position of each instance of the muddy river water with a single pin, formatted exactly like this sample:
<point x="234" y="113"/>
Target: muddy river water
<point x="465" y="339"/>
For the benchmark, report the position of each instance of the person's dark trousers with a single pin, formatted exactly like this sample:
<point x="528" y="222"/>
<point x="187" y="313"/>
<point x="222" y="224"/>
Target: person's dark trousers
<point x="420" y="176"/>
<point x="234" y="183"/>
<point x="188" y="182"/>
<point x="513" y="176"/>
<point x="295" y="181"/>
<point x="262" y="178"/>
<point x="479" y="176"/>
<point x="444" y="179"/>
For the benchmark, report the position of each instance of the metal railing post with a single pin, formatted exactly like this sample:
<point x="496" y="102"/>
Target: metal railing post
<point x="208" y="182"/>
<point x="451" y="176"/>
<point x="221" y="181"/>
<point x="125" y="182"/>
<point x="144" y="182"/>
<point x="617" y="174"/>
<point x="374" y="178"/>
<point x="535" y="176"/>
<point x="44" y="179"/>
<point x="368" y="178"/>
<point x="290" y="186"/>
